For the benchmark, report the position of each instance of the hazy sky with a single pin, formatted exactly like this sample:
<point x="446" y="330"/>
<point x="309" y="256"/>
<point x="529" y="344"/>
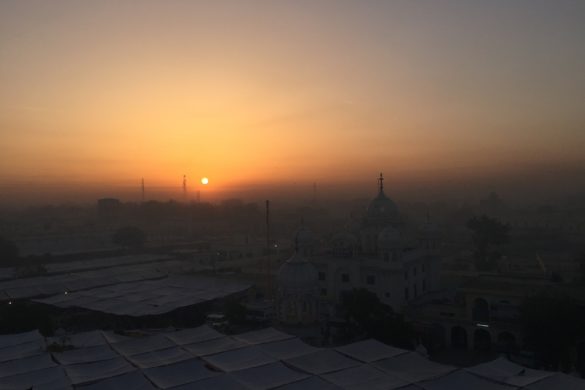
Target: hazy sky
<point x="107" y="92"/>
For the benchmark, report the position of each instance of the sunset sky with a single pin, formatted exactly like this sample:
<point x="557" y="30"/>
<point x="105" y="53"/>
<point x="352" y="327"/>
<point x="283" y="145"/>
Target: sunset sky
<point x="254" y="92"/>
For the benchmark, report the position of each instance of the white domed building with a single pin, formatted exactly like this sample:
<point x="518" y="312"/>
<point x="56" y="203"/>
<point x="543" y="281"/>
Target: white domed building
<point x="382" y="212"/>
<point x="297" y="298"/>
<point x="386" y="259"/>
<point x="344" y="244"/>
<point x="389" y="244"/>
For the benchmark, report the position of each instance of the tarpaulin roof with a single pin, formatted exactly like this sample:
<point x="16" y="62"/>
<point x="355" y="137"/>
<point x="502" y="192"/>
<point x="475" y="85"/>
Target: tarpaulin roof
<point x="268" y="376"/>
<point x="505" y="371"/>
<point x="412" y="367"/>
<point x="152" y="360"/>
<point x="239" y="359"/>
<point x="287" y="349"/>
<point x="370" y="350"/>
<point x="321" y="362"/>
<point x="364" y="377"/>
<point x="194" y="335"/>
<point x="177" y="374"/>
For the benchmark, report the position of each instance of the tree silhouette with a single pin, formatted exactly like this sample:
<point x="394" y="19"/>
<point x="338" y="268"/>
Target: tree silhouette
<point x="487" y="232"/>
<point x="366" y="316"/>
<point x="553" y="323"/>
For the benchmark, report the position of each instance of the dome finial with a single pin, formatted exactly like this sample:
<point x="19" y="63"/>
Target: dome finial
<point x="381" y="181"/>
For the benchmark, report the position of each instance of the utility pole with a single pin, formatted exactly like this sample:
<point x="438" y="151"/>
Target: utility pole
<point x="268" y="265"/>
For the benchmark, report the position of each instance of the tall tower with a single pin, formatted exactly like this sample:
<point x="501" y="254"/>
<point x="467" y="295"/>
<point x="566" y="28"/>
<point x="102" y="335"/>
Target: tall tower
<point x="142" y="190"/>
<point x="268" y="259"/>
<point x="184" y="187"/>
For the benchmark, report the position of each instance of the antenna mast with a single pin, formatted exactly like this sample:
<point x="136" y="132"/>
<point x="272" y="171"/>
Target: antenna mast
<point x="185" y="187"/>
<point x="268" y="265"/>
<point x="142" y="189"/>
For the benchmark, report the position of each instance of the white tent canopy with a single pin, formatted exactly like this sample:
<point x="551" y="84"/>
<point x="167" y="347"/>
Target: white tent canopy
<point x="220" y="382"/>
<point x="266" y="335"/>
<point x="322" y="362"/>
<point x="214" y="346"/>
<point x="195" y="335"/>
<point x="239" y="359"/>
<point x="287" y="349"/>
<point x="505" y="371"/>
<point x="47" y="377"/>
<point x="412" y="367"/>
<point x="90" y="372"/>
<point x="135" y="346"/>
<point x="160" y="358"/>
<point x="462" y="380"/>
<point x="177" y="374"/>
<point x="132" y="381"/>
<point x="557" y="381"/>
<point x="364" y="377"/>
<point x="250" y="361"/>
<point x="312" y="383"/>
<point x="268" y="376"/>
<point x="21" y="366"/>
<point x="370" y="350"/>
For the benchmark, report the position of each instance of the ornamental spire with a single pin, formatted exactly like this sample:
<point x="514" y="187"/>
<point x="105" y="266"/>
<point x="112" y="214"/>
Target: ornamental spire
<point x="381" y="182"/>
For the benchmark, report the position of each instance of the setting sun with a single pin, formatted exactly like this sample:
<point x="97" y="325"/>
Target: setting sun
<point x="204" y="181"/>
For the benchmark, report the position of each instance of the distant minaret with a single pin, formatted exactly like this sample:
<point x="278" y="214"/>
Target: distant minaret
<point x="142" y="189"/>
<point x="185" y="187"/>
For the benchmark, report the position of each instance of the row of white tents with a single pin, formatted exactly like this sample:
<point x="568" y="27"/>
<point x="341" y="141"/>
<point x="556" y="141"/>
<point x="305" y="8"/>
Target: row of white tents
<point x="76" y="277"/>
<point x="202" y="358"/>
<point x="149" y="297"/>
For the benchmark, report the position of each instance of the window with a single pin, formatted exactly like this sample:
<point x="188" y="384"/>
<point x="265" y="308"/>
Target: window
<point x="406" y="275"/>
<point x="424" y="287"/>
<point x="406" y="293"/>
<point x="424" y="268"/>
<point x="386" y="257"/>
<point x="322" y="276"/>
<point x="415" y="291"/>
<point x="387" y="295"/>
<point x="323" y="291"/>
<point x="371" y="279"/>
<point x="344" y="278"/>
<point x="414" y="271"/>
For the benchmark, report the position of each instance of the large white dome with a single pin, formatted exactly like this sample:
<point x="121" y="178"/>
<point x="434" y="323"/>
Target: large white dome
<point x="382" y="208"/>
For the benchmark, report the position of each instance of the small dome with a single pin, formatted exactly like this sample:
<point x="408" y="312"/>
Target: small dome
<point x="382" y="210"/>
<point x="389" y="237"/>
<point x="297" y="273"/>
